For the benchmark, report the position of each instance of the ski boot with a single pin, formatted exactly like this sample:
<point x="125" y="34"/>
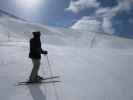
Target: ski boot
<point x="40" y="78"/>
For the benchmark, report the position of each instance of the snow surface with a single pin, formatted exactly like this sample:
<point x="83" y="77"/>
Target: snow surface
<point x="91" y="66"/>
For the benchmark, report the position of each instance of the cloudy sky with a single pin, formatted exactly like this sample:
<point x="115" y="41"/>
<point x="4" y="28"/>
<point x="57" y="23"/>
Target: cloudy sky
<point x="109" y="16"/>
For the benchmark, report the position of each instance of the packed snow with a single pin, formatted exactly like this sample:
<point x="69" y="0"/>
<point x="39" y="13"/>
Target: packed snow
<point x="91" y="66"/>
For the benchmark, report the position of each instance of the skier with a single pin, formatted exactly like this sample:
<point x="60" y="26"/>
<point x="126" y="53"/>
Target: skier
<point x="35" y="55"/>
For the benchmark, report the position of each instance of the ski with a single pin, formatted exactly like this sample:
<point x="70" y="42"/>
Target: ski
<point x="33" y="83"/>
<point x="53" y="77"/>
<point x="44" y="80"/>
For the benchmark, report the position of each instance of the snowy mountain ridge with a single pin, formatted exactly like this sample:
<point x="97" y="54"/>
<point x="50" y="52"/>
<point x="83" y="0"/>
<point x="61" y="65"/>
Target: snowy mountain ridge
<point x="4" y="13"/>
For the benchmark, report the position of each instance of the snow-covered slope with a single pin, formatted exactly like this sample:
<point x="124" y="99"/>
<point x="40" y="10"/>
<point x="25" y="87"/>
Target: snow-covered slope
<point x="18" y="30"/>
<point x="91" y="66"/>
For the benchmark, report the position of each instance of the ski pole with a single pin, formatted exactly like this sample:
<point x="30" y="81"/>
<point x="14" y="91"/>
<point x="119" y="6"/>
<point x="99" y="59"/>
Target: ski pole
<point x="50" y="69"/>
<point x="49" y="65"/>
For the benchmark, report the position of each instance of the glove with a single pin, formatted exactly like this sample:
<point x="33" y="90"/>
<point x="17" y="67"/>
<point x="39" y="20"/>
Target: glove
<point x="45" y="52"/>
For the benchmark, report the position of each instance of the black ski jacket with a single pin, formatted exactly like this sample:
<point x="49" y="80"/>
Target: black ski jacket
<point x="35" y="48"/>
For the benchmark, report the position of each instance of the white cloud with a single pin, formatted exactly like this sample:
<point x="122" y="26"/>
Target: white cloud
<point x="76" y="6"/>
<point x="79" y="5"/>
<point x="107" y="25"/>
<point x="86" y="24"/>
<point x="94" y="25"/>
<point x="123" y="5"/>
<point x="105" y="14"/>
<point x="108" y="13"/>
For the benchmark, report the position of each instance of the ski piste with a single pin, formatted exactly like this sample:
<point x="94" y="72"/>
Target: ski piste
<point x="45" y="81"/>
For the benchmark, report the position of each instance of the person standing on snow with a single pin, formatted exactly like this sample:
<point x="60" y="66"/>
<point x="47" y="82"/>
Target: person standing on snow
<point x="35" y="55"/>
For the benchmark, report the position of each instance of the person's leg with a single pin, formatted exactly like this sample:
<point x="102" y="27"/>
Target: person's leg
<point x="35" y="69"/>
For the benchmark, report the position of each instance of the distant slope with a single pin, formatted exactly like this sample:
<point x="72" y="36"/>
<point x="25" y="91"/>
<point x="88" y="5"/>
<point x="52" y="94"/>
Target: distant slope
<point x="5" y="13"/>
